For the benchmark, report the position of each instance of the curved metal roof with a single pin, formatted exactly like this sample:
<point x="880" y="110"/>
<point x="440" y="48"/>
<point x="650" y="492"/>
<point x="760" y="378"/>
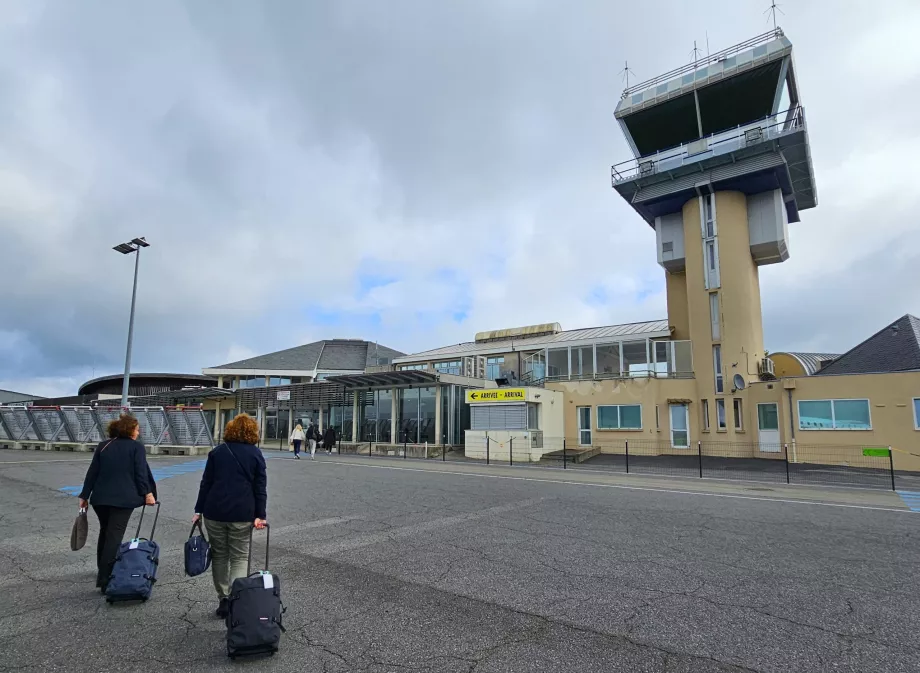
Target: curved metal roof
<point x="811" y="362"/>
<point x="193" y="379"/>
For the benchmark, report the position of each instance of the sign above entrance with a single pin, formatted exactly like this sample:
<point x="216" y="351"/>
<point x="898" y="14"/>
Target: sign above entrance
<point x="284" y="395"/>
<point x="496" y="395"/>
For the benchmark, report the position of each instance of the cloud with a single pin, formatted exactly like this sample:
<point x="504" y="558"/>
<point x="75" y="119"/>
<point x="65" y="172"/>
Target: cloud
<point x="405" y="172"/>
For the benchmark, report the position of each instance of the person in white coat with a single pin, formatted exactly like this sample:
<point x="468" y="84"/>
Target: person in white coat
<point x="297" y="439"/>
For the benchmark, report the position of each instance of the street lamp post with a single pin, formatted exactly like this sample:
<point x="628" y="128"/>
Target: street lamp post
<point x="134" y="246"/>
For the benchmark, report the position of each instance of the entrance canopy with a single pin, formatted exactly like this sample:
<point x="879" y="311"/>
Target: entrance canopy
<point x="378" y="379"/>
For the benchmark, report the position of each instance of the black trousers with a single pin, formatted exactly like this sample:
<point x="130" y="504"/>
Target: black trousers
<point x="112" y="524"/>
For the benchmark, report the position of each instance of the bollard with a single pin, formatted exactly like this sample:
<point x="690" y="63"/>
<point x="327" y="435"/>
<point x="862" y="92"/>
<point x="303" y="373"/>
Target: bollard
<point x="786" y="452"/>
<point x="627" y="456"/>
<point x="405" y="446"/>
<point x="699" y="450"/>
<point x="891" y="466"/>
<point x="487" y="449"/>
<point x="511" y="451"/>
<point x="564" y="465"/>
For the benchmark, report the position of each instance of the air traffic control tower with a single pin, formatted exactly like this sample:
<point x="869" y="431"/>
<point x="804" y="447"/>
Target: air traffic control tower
<point x="721" y="166"/>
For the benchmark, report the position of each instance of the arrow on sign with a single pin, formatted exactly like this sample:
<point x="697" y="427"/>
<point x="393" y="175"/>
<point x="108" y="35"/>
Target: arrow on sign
<point x="473" y="396"/>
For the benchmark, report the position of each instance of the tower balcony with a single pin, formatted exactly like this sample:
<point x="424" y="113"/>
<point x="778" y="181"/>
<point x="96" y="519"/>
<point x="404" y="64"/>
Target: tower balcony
<point x="768" y="154"/>
<point x="646" y="358"/>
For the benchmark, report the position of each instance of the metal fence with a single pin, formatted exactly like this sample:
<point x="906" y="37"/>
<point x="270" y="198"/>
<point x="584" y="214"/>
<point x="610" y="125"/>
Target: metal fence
<point x="159" y="426"/>
<point x="803" y="464"/>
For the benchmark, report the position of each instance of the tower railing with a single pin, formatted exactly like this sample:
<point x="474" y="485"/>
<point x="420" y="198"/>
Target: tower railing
<point x="715" y="144"/>
<point x="703" y="62"/>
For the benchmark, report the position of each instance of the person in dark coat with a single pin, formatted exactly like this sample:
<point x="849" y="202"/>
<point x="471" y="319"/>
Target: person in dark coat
<point x="118" y="480"/>
<point x="329" y="439"/>
<point x="232" y="499"/>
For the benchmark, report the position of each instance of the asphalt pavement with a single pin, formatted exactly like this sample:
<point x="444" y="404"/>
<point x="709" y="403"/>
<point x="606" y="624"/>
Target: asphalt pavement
<point x="391" y="565"/>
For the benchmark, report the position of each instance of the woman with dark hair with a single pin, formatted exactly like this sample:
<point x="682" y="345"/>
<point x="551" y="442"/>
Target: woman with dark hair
<point x="118" y="480"/>
<point x="232" y="498"/>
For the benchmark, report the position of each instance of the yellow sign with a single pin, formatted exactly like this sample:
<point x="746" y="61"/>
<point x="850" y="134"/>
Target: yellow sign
<point x="496" y="395"/>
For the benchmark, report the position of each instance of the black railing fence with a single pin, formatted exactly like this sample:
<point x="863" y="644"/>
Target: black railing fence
<point x="808" y="464"/>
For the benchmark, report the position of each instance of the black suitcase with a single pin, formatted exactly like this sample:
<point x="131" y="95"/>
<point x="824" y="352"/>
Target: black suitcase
<point x="254" y="618"/>
<point x="135" y="569"/>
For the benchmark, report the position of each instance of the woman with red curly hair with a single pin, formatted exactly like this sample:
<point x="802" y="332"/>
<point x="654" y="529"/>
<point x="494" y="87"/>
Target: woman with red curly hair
<point x="232" y="499"/>
<point x="117" y="481"/>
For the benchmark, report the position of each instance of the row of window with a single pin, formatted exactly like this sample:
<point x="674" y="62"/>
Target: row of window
<point x="813" y="415"/>
<point x="721" y="421"/>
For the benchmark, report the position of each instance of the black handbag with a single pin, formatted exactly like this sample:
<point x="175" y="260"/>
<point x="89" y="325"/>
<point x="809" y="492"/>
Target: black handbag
<point x="197" y="552"/>
<point x="79" y="531"/>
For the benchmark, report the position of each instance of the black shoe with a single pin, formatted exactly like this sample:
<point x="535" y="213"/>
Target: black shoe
<point x="223" y="609"/>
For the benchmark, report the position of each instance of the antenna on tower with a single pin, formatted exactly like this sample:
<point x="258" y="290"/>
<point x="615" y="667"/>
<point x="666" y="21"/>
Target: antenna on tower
<point x="625" y="73"/>
<point x="695" y="53"/>
<point x="771" y="11"/>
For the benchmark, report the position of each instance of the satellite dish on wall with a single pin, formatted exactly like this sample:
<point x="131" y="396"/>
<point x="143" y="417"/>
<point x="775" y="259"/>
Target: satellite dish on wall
<point x="739" y="382"/>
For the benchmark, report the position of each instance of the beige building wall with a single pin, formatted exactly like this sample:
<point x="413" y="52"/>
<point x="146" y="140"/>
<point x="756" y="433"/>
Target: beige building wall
<point x="647" y="392"/>
<point x="891" y="412"/>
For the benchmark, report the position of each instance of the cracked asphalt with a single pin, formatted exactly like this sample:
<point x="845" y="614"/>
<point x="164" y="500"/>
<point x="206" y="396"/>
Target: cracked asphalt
<point x="391" y="565"/>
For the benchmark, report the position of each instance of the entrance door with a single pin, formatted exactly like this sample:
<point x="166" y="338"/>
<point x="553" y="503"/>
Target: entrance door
<point x="584" y="425"/>
<point x="680" y="426"/>
<point x="768" y="426"/>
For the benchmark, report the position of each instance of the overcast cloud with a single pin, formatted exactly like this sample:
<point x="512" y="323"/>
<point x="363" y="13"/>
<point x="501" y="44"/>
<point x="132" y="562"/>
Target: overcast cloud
<point x="405" y="171"/>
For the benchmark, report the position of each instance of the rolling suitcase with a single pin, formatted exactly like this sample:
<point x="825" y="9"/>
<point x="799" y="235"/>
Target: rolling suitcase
<point x="254" y="617"/>
<point x="135" y="569"/>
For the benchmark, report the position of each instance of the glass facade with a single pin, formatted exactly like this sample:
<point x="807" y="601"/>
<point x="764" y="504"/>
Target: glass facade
<point x="452" y="367"/>
<point x="427" y="411"/>
<point x="494" y="367"/>
<point x="408" y="415"/>
<point x="384" y="415"/>
<point x="340" y="418"/>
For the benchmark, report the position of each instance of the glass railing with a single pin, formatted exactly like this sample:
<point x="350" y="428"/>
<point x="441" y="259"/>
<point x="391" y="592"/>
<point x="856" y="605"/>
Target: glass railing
<point x="713" y="145"/>
<point x="620" y="360"/>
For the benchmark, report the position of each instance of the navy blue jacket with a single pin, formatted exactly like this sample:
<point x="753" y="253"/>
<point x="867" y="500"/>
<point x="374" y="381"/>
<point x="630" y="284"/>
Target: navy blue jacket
<point x="233" y="487"/>
<point x="119" y="475"/>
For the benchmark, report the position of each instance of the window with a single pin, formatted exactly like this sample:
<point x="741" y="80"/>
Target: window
<point x="557" y="363"/>
<point x="494" y="367"/>
<point x="917" y="413"/>
<point x="657" y="418"/>
<point x="619" y="417"/>
<point x="252" y="382"/>
<point x="834" y="415"/>
<point x="608" y="360"/>
<point x="720" y="414"/>
<point x="279" y="381"/>
<point x="680" y="426"/>
<point x="533" y="416"/>
<point x="714" y="316"/>
<point x="704" y="406"/>
<point x="717" y="366"/>
<point x="738" y="415"/>
<point x="408" y="368"/>
<point x="710" y="241"/>
<point x="453" y="367"/>
<point x="583" y="362"/>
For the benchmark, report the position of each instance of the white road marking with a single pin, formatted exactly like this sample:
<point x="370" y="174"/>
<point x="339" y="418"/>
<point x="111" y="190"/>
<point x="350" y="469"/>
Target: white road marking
<point x="624" y="487"/>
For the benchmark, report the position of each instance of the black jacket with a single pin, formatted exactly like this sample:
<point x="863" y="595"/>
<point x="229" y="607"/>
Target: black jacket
<point x="119" y="475"/>
<point x="233" y="487"/>
<point x="329" y="438"/>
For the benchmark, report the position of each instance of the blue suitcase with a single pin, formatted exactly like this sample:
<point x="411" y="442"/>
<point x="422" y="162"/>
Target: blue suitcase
<point x="135" y="569"/>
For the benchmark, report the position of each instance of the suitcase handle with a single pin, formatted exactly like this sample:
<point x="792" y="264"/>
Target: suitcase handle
<point x="137" y="533"/>
<point x="197" y="525"/>
<point x="249" y="560"/>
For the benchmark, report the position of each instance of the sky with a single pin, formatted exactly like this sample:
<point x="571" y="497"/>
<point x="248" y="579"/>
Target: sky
<point x="408" y="171"/>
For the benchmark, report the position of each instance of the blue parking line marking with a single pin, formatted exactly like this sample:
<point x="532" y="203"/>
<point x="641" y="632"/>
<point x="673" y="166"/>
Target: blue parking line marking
<point x="159" y="474"/>
<point x="911" y="499"/>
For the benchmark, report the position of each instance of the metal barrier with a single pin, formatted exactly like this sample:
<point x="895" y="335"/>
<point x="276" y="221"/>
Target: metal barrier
<point x="81" y="427"/>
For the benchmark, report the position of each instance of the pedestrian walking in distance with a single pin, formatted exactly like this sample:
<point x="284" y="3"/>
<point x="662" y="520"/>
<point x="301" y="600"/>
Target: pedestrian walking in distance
<point x="297" y="438"/>
<point x="329" y="439"/>
<point x="232" y="499"/>
<point x="312" y="436"/>
<point x="118" y="481"/>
